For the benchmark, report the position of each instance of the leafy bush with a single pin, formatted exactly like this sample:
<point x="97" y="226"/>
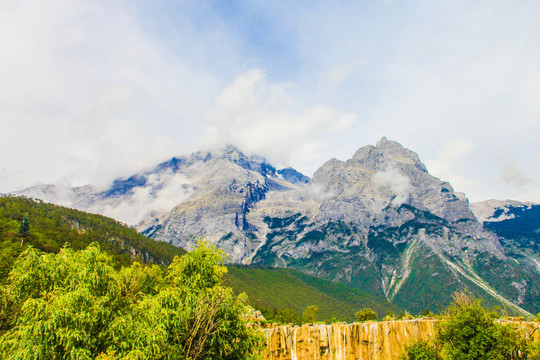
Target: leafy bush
<point x="311" y="314"/>
<point x="422" y="350"/>
<point x="76" y="305"/>
<point x="366" y="315"/>
<point x="389" y="316"/>
<point x="468" y="331"/>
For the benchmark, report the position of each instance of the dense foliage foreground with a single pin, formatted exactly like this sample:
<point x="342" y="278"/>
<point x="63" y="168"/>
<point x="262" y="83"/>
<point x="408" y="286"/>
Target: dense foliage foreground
<point x="76" y="305"/>
<point x="468" y="331"/>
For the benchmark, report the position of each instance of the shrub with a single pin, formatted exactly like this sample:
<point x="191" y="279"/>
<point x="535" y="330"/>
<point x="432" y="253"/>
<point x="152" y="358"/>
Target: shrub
<point x="311" y="314"/>
<point x="366" y="315"/>
<point x="76" y="305"/>
<point x="389" y="316"/>
<point x="468" y="331"/>
<point x="422" y="350"/>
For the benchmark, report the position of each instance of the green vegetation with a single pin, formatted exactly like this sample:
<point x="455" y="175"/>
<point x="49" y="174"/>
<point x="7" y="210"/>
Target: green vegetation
<point x="366" y="314"/>
<point x="311" y="314"/>
<point x="48" y="227"/>
<point x="469" y="331"/>
<point x="422" y="350"/>
<point x="76" y="305"/>
<point x="283" y="294"/>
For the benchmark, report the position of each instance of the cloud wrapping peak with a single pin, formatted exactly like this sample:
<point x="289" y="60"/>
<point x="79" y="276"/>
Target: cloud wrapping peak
<point x="399" y="184"/>
<point x="87" y="95"/>
<point x="260" y="117"/>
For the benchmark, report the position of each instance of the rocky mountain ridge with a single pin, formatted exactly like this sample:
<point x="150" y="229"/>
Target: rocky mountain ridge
<point x="378" y="221"/>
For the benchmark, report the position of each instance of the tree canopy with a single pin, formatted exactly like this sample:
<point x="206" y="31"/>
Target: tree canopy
<point x="366" y="315"/>
<point x="469" y="331"/>
<point x="76" y="305"/>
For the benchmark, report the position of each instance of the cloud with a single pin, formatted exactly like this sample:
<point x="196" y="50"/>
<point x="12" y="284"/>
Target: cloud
<point x="261" y="117"/>
<point x="92" y="90"/>
<point x="161" y="193"/>
<point x="398" y="183"/>
<point x="448" y="163"/>
<point x="333" y="79"/>
<point x="88" y="93"/>
<point x="511" y="175"/>
<point x="449" y="156"/>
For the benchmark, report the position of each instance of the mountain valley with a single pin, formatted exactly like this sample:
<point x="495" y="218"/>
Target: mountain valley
<point x="378" y="222"/>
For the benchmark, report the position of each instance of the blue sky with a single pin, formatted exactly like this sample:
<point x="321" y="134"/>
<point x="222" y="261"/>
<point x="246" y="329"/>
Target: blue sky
<point x="95" y="90"/>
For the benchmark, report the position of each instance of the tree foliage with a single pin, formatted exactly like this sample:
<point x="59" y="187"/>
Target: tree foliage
<point x="469" y="331"/>
<point x="422" y="350"/>
<point x="48" y="227"/>
<point x="366" y="314"/>
<point x="311" y="314"/>
<point x="76" y="305"/>
<point x="24" y="229"/>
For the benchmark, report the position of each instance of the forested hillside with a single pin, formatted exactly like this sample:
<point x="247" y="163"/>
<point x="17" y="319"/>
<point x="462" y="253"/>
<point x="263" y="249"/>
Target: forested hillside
<point x="281" y="294"/>
<point x="284" y="294"/>
<point x="49" y="227"/>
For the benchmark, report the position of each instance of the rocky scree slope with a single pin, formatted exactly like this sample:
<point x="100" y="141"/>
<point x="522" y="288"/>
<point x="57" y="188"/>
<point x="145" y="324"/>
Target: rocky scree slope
<point x="378" y="221"/>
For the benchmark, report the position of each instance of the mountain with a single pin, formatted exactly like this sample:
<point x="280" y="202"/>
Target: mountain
<point x="378" y="222"/>
<point x="515" y="223"/>
<point x="271" y="290"/>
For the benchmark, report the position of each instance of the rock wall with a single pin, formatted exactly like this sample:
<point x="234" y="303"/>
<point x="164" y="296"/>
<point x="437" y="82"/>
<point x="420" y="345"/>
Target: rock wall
<point x="359" y="341"/>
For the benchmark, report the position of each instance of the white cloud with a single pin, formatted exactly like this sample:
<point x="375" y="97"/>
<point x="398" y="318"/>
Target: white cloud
<point x="448" y="163"/>
<point x="511" y="175"/>
<point x="88" y="95"/>
<point x="261" y="117"/>
<point x="92" y="89"/>
<point x="398" y="183"/>
<point x="333" y="79"/>
<point x="161" y="193"/>
<point x="449" y="156"/>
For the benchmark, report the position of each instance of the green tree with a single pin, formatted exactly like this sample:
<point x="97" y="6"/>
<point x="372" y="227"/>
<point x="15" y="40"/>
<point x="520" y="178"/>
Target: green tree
<point x="366" y="314"/>
<point x="389" y="316"/>
<point x="76" y="305"/>
<point x="287" y="316"/>
<point x="422" y="350"/>
<point x="60" y="305"/>
<point x="311" y="314"/>
<point x="468" y="331"/>
<point x="24" y="229"/>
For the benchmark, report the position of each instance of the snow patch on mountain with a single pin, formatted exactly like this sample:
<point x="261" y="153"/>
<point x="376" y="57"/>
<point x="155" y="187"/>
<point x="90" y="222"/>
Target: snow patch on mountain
<point x="497" y="210"/>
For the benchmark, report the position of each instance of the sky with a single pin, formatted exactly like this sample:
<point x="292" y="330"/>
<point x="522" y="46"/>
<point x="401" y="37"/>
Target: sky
<point x="95" y="90"/>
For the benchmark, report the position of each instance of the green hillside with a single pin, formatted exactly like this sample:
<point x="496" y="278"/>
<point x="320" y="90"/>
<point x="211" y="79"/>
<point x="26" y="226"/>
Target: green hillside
<point x="50" y="227"/>
<point x="273" y="290"/>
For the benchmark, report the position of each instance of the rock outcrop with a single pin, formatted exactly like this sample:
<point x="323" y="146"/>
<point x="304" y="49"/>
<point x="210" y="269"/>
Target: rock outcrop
<point x="370" y="341"/>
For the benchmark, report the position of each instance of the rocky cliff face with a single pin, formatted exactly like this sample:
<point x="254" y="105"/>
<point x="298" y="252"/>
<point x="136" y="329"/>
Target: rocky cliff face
<point x="385" y="176"/>
<point x="372" y="340"/>
<point x="378" y="221"/>
<point x="381" y="223"/>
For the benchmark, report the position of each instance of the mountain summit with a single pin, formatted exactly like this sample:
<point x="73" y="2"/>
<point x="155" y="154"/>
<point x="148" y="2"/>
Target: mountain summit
<point x="378" y="221"/>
